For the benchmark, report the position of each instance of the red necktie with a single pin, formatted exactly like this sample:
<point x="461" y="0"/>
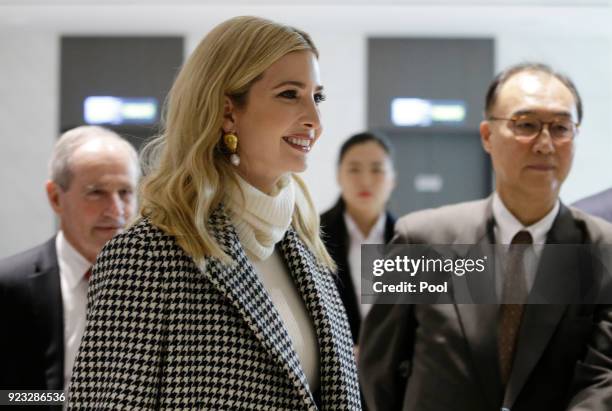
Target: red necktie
<point x="87" y="274"/>
<point x="511" y="315"/>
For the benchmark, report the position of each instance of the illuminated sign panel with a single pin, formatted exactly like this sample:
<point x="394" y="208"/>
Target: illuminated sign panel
<point x="120" y="110"/>
<point x="417" y="112"/>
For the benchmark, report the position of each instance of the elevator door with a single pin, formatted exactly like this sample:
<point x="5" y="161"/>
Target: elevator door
<point x="435" y="169"/>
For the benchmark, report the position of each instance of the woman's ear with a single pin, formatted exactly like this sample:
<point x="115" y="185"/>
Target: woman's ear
<point x="229" y="123"/>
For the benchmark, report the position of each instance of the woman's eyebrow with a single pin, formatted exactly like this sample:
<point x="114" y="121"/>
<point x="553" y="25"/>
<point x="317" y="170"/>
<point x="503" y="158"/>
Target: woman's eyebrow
<point x="295" y="83"/>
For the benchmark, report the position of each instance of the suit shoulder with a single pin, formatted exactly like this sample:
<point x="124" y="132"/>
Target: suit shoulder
<point x="599" y="230"/>
<point x="599" y="204"/>
<point x="18" y="265"/>
<point x="446" y="224"/>
<point x="138" y="262"/>
<point x="332" y="224"/>
<point x="602" y="196"/>
<point x="142" y="246"/>
<point x="141" y="236"/>
<point x="327" y="218"/>
<point x="330" y="216"/>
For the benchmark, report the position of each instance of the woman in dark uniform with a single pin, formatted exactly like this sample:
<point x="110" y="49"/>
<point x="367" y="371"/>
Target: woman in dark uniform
<point x="367" y="178"/>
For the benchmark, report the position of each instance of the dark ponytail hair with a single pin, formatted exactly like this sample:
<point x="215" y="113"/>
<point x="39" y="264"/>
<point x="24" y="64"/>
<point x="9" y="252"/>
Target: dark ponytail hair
<point x="366" y="137"/>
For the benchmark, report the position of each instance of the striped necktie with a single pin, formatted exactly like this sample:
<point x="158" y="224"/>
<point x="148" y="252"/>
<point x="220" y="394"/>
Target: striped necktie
<point x="514" y="290"/>
<point x="87" y="274"/>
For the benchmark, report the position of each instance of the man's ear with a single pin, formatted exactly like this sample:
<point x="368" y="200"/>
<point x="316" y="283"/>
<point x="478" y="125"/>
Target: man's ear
<point x="54" y="194"/>
<point x="229" y="122"/>
<point x="485" y="135"/>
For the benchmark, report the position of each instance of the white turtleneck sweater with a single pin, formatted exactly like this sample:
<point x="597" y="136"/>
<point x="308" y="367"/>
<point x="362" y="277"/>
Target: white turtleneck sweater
<point x="260" y="224"/>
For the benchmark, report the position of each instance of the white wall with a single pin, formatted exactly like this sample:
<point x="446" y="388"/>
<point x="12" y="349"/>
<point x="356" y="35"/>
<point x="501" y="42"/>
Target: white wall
<point x="28" y="124"/>
<point x="574" y="39"/>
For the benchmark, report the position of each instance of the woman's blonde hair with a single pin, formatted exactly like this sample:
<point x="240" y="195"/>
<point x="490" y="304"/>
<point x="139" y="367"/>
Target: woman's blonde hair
<point x="186" y="169"/>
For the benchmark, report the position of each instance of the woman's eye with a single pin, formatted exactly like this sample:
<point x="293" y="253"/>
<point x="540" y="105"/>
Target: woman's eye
<point x="319" y="97"/>
<point x="290" y="94"/>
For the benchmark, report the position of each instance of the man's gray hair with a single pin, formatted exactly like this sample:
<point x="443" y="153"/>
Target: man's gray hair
<point x="59" y="165"/>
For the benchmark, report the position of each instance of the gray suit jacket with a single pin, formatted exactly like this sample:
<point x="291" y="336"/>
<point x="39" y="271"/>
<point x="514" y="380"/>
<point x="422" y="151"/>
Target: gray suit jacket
<point x="599" y="204"/>
<point x="444" y="357"/>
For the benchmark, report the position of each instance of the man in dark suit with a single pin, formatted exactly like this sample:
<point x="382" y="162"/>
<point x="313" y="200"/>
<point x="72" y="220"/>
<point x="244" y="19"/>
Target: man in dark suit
<point x="511" y="356"/>
<point x="599" y="204"/>
<point x="93" y="176"/>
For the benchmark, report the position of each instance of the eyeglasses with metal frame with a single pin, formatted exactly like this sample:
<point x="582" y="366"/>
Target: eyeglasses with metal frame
<point x="527" y="127"/>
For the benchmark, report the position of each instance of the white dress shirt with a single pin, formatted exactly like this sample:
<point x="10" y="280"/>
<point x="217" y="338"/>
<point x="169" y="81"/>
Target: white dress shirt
<point x="72" y="267"/>
<point x="356" y="239"/>
<point x="507" y="226"/>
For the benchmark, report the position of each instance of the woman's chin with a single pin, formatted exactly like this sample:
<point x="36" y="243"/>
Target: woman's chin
<point x="298" y="166"/>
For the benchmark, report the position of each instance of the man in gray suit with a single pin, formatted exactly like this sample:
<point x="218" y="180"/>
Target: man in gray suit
<point x="491" y="357"/>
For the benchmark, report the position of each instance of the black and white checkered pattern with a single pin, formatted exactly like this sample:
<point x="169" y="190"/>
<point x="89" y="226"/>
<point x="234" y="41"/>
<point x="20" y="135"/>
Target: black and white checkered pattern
<point x="163" y="334"/>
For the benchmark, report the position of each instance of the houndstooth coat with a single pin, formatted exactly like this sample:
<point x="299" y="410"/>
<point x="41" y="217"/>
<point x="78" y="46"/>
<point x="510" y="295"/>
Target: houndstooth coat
<point x="163" y="334"/>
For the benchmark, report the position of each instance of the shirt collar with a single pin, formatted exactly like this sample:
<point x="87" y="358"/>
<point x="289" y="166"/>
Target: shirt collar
<point x="507" y="225"/>
<point x="72" y="264"/>
<point x="376" y="233"/>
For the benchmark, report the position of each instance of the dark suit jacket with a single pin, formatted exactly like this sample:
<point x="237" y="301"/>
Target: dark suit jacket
<point x="32" y="345"/>
<point x="599" y="204"/>
<point x="444" y="357"/>
<point x="336" y="239"/>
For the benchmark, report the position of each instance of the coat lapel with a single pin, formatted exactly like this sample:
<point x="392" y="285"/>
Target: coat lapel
<point x="540" y="320"/>
<point x="48" y="309"/>
<point x="239" y="283"/>
<point x="336" y="238"/>
<point x="339" y="388"/>
<point x="478" y="320"/>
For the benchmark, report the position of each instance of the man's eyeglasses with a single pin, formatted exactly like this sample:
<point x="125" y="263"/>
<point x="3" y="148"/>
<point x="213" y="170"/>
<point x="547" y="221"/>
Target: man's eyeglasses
<point x="527" y="128"/>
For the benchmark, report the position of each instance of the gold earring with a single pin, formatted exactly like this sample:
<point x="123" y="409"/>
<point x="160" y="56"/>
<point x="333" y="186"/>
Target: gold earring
<point x="231" y="142"/>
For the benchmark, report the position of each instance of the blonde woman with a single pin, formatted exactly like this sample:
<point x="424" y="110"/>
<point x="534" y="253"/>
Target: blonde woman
<point x="221" y="296"/>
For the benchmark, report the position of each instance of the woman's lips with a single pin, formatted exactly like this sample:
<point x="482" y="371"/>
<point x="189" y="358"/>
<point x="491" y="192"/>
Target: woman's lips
<point x="300" y="143"/>
<point x="364" y="194"/>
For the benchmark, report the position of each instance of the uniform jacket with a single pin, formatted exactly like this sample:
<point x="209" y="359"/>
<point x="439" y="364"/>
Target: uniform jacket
<point x="337" y="242"/>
